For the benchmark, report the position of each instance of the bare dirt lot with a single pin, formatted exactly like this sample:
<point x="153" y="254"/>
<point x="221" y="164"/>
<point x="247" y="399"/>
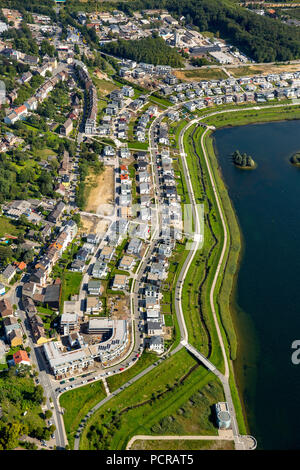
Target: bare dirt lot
<point x="262" y="69"/>
<point x="92" y="224"/>
<point x="101" y="75"/>
<point x="200" y="74"/>
<point x="119" y="308"/>
<point x="216" y="73"/>
<point x="102" y="191"/>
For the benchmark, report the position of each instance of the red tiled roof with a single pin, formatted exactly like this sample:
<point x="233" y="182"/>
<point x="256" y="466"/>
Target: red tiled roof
<point x="20" y="356"/>
<point x="20" y="109"/>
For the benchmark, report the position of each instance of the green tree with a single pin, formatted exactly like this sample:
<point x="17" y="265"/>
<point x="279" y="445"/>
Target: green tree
<point x="48" y="414"/>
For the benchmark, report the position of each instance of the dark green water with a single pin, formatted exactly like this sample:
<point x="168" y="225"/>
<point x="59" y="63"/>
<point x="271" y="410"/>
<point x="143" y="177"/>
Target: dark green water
<point x="266" y="201"/>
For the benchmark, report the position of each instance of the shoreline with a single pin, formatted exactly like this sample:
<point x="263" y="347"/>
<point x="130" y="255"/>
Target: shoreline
<point x="233" y="305"/>
<point x="236" y="311"/>
<point x="238" y="365"/>
<point x="247" y="168"/>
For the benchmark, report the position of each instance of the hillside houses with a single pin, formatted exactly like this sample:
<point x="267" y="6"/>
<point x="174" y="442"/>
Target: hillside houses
<point x="40" y="95"/>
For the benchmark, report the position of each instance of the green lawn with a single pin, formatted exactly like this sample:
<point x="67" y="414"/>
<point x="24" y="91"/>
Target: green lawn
<point x="45" y="311"/>
<point x="7" y="227"/>
<point x="168" y="320"/>
<point x="160" y="102"/>
<point x="138" y="145"/>
<point x="70" y="285"/>
<point x="77" y="403"/>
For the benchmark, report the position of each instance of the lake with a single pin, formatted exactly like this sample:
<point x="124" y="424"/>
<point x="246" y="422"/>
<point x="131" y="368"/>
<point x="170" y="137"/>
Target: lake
<point x="266" y="201"/>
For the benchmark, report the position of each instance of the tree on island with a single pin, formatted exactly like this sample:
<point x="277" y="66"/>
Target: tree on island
<point x="295" y="159"/>
<point x="242" y="160"/>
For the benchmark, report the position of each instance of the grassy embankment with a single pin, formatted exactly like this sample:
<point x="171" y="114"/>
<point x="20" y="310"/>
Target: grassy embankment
<point x="197" y="285"/>
<point x="117" y="380"/>
<point x="158" y="395"/>
<point x="253" y="116"/>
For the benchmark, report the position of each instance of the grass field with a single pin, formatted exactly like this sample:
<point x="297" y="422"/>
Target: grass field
<point x="173" y="385"/>
<point x="160" y="102"/>
<point x="7" y="227"/>
<point x="104" y="87"/>
<point x="168" y="320"/>
<point x="45" y="311"/>
<point x="70" y="285"/>
<point x="77" y="403"/>
<point x="255" y="116"/>
<point x="182" y="445"/>
<point x="138" y="145"/>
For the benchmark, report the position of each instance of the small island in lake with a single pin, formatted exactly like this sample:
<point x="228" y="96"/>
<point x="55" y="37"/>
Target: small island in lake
<point x="243" y="161"/>
<point x="295" y="159"/>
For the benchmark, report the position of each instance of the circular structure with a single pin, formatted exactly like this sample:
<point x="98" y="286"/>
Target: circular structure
<point x="224" y="419"/>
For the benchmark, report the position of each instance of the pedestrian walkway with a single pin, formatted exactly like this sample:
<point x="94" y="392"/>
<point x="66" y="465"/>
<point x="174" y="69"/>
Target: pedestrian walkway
<point x="106" y="386"/>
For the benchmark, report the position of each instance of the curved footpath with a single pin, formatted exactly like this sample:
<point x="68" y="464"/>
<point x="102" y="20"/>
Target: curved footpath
<point x="241" y="442"/>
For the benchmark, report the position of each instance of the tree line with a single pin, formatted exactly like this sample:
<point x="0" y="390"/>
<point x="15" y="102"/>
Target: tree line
<point x="152" y="50"/>
<point x="261" y="38"/>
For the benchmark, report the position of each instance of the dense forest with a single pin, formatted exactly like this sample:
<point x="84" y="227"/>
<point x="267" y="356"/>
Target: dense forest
<point x="262" y="38"/>
<point x="21" y="177"/>
<point x="243" y="160"/>
<point x="22" y="39"/>
<point x="19" y="394"/>
<point x="152" y="50"/>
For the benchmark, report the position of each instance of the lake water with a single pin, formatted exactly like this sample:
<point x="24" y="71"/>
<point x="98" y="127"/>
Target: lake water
<point x="266" y="201"/>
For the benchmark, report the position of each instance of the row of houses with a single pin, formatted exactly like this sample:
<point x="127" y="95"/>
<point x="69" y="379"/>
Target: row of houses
<point x="36" y="324"/>
<point x="54" y="251"/>
<point x="31" y="104"/>
<point x="92" y="106"/>
<point x="143" y="123"/>
<point x="257" y="88"/>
